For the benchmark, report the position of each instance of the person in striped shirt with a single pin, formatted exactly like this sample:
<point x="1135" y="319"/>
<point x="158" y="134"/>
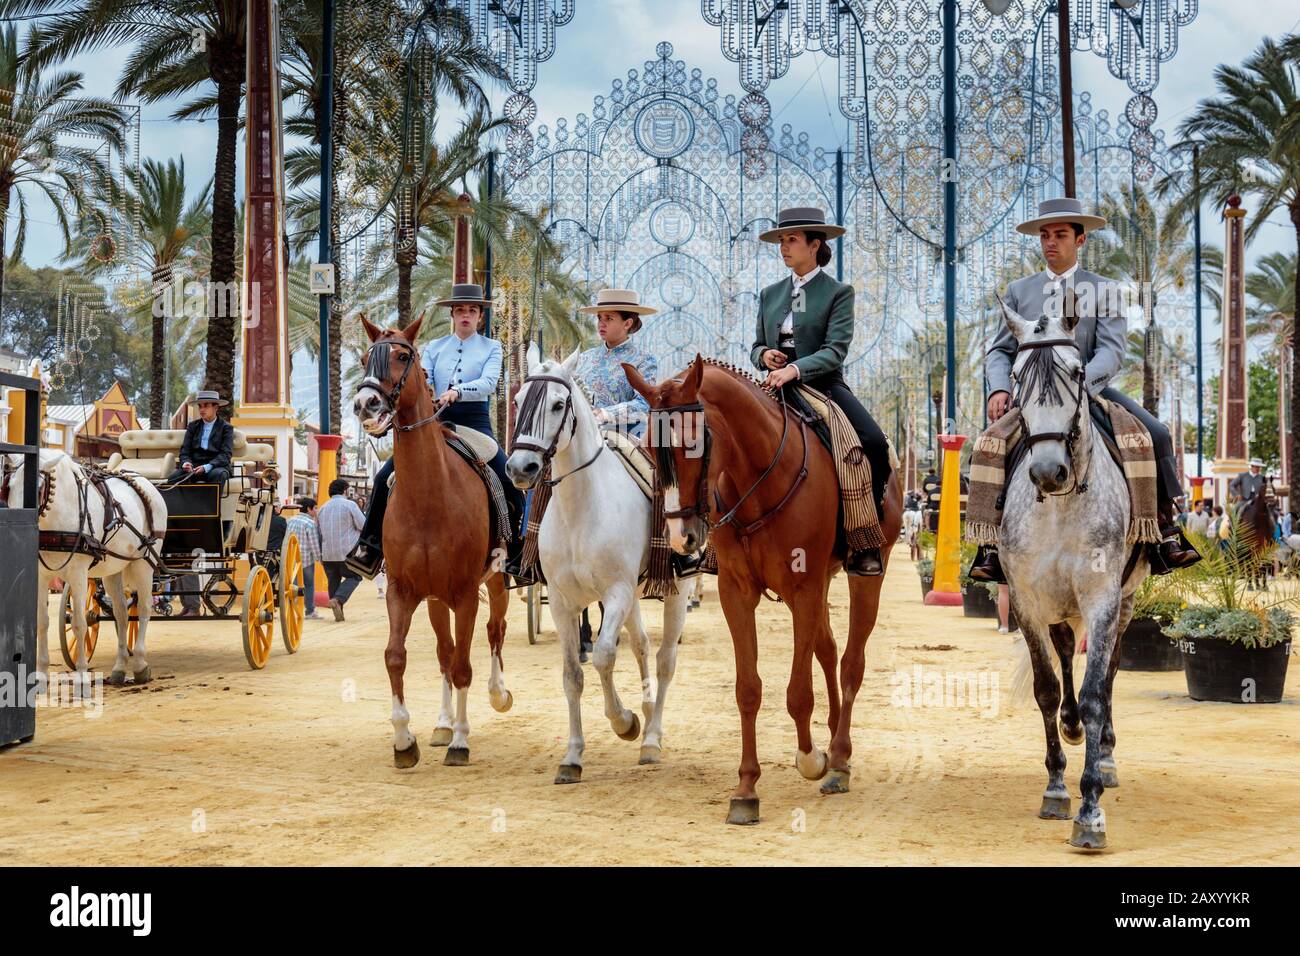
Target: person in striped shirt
<point x="303" y="527"/>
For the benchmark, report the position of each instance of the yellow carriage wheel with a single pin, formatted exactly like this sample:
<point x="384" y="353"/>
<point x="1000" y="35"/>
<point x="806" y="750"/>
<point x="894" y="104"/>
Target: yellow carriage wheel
<point x="67" y="636"/>
<point x="293" y="601"/>
<point x="258" y="617"/>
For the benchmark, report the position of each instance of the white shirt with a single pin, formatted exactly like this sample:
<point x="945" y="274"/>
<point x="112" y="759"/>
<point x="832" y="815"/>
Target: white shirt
<point x="797" y="282"/>
<point x="1063" y="276"/>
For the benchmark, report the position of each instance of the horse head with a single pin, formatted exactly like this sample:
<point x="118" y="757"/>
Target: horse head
<point x="680" y="438"/>
<point x="548" y="406"/>
<point x="391" y="359"/>
<point x="1048" y="386"/>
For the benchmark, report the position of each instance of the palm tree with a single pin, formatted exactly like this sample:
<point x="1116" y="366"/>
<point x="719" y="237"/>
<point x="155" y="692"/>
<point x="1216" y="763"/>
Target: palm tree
<point x="36" y="111"/>
<point x="1250" y="144"/>
<point x="1153" y="257"/>
<point x="180" y="47"/>
<point x="1272" y="287"/>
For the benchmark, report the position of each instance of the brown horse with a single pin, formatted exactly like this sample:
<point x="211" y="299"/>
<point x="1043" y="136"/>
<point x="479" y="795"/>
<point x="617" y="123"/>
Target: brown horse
<point x="747" y="471"/>
<point x="437" y="542"/>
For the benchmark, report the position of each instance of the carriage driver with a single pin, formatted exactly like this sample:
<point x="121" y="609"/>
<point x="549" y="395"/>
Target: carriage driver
<point x="1062" y="228"/>
<point x="208" y="445"/>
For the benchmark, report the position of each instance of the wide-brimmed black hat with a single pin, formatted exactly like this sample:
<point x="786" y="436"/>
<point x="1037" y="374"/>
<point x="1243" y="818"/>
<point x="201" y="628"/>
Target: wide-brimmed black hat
<point x="466" y="293"/>
<point x="799" y="218"/>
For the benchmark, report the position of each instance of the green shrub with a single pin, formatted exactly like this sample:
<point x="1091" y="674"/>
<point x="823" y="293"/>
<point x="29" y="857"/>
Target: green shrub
<point x="925" y="568"/>
<point x="1253" y="628"/>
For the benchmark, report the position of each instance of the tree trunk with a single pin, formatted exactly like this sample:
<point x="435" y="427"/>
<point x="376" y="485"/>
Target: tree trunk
<point x="1293" y="495"/>
<point x="5" y="189"/>
<point x="336" y="300"/>
<point x="406" y="256"/>
<point x="162" y="280"/>
<point x="223" y="292"/>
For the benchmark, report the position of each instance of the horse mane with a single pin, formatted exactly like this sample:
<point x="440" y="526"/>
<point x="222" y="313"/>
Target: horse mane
<point x="744" y="375"/>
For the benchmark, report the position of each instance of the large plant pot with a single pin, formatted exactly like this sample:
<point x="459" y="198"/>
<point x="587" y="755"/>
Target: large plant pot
<point x="927" y="585"/>
<point x="1224" y="671"/>
<point x="976" y="602"/>
<point x="1144" y="647"/>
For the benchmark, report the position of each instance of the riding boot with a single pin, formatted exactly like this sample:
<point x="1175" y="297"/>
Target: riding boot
<point x="987" y="566"/>
<point x="1173" y="551"/>
<point x="865" y="563"/>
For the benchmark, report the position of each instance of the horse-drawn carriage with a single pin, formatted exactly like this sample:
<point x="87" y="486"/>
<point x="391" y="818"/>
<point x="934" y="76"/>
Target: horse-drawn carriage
<point x="210" y="531"/>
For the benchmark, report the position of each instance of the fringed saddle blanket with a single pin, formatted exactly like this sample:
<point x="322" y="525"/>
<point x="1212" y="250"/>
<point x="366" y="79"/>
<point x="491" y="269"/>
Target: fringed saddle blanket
<point x="639" y="463"/>
<point x="1133" y="451"/>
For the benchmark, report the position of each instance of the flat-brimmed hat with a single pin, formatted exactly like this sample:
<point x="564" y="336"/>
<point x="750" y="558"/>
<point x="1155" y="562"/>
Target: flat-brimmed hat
<point x="208" y="395"/>
<point x="799" y="218"/>
<point x="1256" y="463"/>
<point x="620" y="300"/>
<point x="466" y="293"/>
<point x="1061" y="210"/>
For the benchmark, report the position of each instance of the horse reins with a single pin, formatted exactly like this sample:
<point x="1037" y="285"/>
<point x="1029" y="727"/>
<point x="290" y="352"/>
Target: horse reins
<point x="376" y="374"/>
<point x="1040" y="374"/>
<point x="530" y="413"/>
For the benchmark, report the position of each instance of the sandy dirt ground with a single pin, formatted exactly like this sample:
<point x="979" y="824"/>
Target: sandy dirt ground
<point x="216" y="764"/>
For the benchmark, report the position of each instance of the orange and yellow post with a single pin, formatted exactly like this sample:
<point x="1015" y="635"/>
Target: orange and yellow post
<point x="947" y="556"/>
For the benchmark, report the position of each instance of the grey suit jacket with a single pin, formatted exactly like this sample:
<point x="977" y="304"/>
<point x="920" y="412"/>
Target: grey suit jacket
<point x="1101" y="333"/>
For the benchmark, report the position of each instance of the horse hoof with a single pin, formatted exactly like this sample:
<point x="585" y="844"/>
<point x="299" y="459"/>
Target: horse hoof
<point x="633" y="729"/>
<point x="836" y="782"/>
<point x="502" y="703"/>
<point x="143" y="675"/>
<point x="812" y="766"/>
<point x="441" y="737"/>
<point x="1089" y="836"/>
<point x="569" y="773"/>
<point x="649" y="754"/>
<point x="456" y="757"/>
<point x="117" y="678"/>
<point x="1072" y="738"/>
<point x="1055" y="808"/>
<point x="743" y="812"/>
<point x="408" y="758"/>
<point x="1109" y="775"/>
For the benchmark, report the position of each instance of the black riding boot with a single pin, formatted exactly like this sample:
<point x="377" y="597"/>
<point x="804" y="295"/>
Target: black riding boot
<point x="987" y="566"/>
<point x="865" y="563"/>
<point x="514" y="557"/>
<point x="1174" y="550"/>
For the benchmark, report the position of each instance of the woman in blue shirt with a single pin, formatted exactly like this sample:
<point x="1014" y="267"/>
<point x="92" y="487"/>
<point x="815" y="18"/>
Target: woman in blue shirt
<point x="463" y="368"/>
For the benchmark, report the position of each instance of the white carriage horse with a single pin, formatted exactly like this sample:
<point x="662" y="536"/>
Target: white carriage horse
<point x="91" y="522"/>
<point x="593" y="543"/>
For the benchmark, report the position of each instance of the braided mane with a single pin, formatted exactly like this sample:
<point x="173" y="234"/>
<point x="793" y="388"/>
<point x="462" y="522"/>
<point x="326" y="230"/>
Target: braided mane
<point x="743" y="374"/>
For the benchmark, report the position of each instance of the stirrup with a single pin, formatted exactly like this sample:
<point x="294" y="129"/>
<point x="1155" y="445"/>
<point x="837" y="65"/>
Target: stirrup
<point x="366" y="560"/>
<point x="865" y="563"/>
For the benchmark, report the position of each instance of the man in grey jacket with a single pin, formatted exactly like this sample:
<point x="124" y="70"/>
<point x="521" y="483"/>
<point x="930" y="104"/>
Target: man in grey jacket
<point x="1062" y="228"/>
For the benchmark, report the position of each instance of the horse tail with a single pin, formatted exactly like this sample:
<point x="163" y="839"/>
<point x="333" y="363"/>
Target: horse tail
<point x="1022" y="667"/>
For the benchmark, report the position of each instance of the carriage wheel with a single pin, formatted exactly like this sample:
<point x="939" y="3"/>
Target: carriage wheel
<point x="68" y="637"/>
<point x="258" y="617"/>
<point x="293" y="603"/>
<point x="534" y="613"/>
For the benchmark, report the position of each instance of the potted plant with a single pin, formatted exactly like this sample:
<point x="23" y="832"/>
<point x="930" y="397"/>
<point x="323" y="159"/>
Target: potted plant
<point x="925" y="566"/>
<point x="1235" y="644"/>
<point x="1144" y="646"/>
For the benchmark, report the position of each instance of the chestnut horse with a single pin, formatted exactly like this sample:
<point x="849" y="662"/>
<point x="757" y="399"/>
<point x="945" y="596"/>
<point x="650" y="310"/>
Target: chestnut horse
<point x="437" y="542"/>
<point x="742" y="468"/>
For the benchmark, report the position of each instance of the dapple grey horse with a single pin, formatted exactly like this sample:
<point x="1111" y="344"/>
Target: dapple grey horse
<point x="1064" y="550"/>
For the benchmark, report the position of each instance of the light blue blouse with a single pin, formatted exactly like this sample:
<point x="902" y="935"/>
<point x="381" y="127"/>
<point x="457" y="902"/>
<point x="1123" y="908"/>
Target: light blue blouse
<point x="601" y="370"/>
<point x="470" y="366"/>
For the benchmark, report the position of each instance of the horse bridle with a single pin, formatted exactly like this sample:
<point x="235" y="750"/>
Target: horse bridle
<point x="701" y="508"/>
<point x="44" y="486"/>
<point x="530" y="412"/>
<point x="376" y="372"/>
<point x="1070" y="438"/>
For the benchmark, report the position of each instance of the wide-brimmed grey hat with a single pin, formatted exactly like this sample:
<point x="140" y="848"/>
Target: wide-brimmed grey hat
<point x="620" y="300"/>
<point x="466" y="293"/>
<point x="799" y="218"/>
<point x="1061" y="210"/>
<point x="1256" y="463"/>
<point x="208" y="395"/>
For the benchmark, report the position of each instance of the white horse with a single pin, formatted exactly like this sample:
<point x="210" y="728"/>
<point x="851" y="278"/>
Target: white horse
<point x="1064" y="549"/>
<point x="593" y="543"/>
<point x="73" y="504"/>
